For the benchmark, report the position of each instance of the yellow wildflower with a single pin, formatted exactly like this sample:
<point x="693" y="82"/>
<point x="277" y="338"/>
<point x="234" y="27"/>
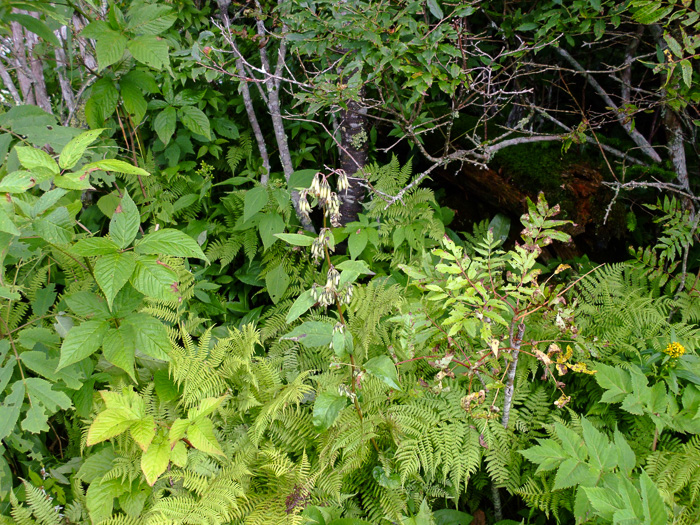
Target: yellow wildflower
<point x="674" y="350"/>
<point x="581" y="368"/>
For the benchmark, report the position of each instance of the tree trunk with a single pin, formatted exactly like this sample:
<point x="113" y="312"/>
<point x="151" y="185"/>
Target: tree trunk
<point x="353" y="158"/>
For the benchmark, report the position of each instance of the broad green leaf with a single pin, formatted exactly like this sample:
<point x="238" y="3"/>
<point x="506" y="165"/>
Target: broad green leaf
<point x="44" y="299"/>
<point x="34" y="25"/>
<point x="383" y="368"/>
<point x="201" y="435"/>
<point x="351" y="270"/>
<point x="125" y="222"/>
<point x="96" y="465"/>
<point x="326" y="410"/>
<point x="178" y="454"/>
<point x="177" y="430"/>
<point x="108" y="424"/>
<point x="600" y="452"/>
<point x="270" y="224"/>
<point x="33" y="158"/>
<point x="17" y="182"/>
<point x="56" y="227"/>
<point x="435" y="9"/>
<point x="296" y="239"/>
<point x="112" y="272"/>
<point x="166" y="389"/>
<point x="102" y="102"/>
<point x="500" y="227"/>
<point x="653" y="505"/>
<point x="119" y="348"/>
<point x="88" y="305"/>
<point x="150" y="50"/>
<point x="133" y="100"/>
<point x="44" y="402"/>
<point x="626" y="457"/>
<point x="206" y="406"/>
<point x="75" y="149"/>
<point x="10" y="409"/>
<point x="573" y="472"/>
<point x="155" y="279"/>
<point x="195" y="120"/>
<point x="47" y="200"/>
<point x="301" y="179"/>
<point x="151" y="335"/>
<point x="300" y="306"/>
<point x="453" y="517"/>
<point x="73" y="181"/>
<point x="6" y="479"/>
<point x="116" y="165"/>
<point x="6" y="223"/>
<point x="571" y="442"/>
<point x="312" y="333"/>
<point x="255" y="200"/>
<point x="357" y="242"/>
<point x="169" y="241"/>
<point x="82" y="341"/>
<point x="151" y="19"/>
<point x="110" y="48"/>
<point x="155" y="460"/>
<point x="687" y="71"/>
<point x="94" y="246"/>
<point x="277" y="282"/>
<point x="164" y="124"/>
<point x="99" y="498"/>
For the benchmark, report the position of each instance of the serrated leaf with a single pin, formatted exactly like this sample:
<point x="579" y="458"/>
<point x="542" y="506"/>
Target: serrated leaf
<point x="112" y="272"/>
<point x="150" y="50"/>
<point x="687" y="71"/>
<point x="108" y="424"/>
<point x="45" y="401"/>
<point x="125" y="222"/>
<point x="99" y="498"/>
<point x="178" y="454"/>
<point x="654" y="507"/>
<point x="151" y="335"/>
<point x="119" y="348"/>
<point x="164" y="124"/>
<point x="383" y="368"/>
<point x="277" y="281"/>
<point x="87" y="304"/>
<point x="151" y="19"/>
<point x="82" y="341"/>
<point x="116" y="165"/>
<point x="357" y="242"/>
<point x="10" y="409"/>
<point x="155" y="279"/>
<point x="109" y="48"/>
<point x="75" y="149"/>
<point x="201" y="434"/>
<point x="169" y="241"/>
<point x="56" y="227"/>
<point x="17" y="182"/>
<point x="300" y="306"/>
<point x="34" y="25"/>
<point x="195" y="120"/>
<point x="326" y="410"/>
<point x="94" y="246"/>
<point x="155" y="460"/>
<point x="33" y="158"/>
<point x="254" y="201"/>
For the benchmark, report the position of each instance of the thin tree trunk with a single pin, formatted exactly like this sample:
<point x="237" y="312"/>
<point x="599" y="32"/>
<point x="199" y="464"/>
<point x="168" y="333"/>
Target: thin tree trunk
<point x="22" y="67"/>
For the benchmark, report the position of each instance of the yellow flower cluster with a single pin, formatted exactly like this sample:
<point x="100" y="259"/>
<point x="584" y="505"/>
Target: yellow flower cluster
<point x="674" y="350"/>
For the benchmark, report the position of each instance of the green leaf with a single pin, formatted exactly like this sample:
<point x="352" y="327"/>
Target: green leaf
<point x="435" y="9"/>
<point x="109" y="48"/>
<point x="132" y="98"/>
<point x="33" y="158"/>
<point x="178" y="454"/>
<point x="296" y="239"/>
<point x="45" y="401"/>
<point x="82" y="341"/>
<point x="119" y="348"/>
<point x="301" y="179"/>
<point x="34" y="25"/>
<point x="270" y="224"/>
<point x="151" y="335"/>
<point x="164" y="124"/>
<point x="201" y="434"/>
<point x="10" y="409"/>
<point x="154" y="279"/>
<point x="75" y="149"/>
<point x="300" y="306"/>
<point x="155" y="459"/>
<point x="102" y="103"/>
<point x="100" y="498"/>
<point x="195" y="120"/>
<point x="357" y="242"/>
<point x="571" y="473"/>
<point x="18" y="182"/>
<point x="56" y="227"/>
<point x="653" y="505"/>
<point x="600" y="453"/>
<point x="94" y="246"/>
<point x="151" y="19"/>
<point x="626" y="458"/>
<point x="87" y="304"/>
<point x="255" y="200"/>
<point x="117" y="165"/>
<point x="166" y="389"/>
<point x="326" y="410"/>
<point x="452" y="517"/>
<point x="615" y="381"/>
<point x="125" y="222"/>
<point x="500" y="227"/>
<point x="277" y="282"/>
<point x="108" y="424"/>
<point x="351" y="270"/>
<point x="687" y="71"/>
<point x="112" y="272"/>
<point x="312" y="334"/>
<point x="150" y="50"/>
<point x="169" y="241"/>
<point x="383" y="368"/>
<point x="6" y="224"/>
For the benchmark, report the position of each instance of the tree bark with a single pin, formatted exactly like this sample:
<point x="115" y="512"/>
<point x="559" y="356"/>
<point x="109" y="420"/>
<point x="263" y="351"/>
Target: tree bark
<point x="353" y="158"/>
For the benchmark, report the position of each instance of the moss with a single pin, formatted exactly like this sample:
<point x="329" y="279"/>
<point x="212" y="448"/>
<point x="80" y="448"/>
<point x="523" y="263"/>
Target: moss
<point x="536" y="165"/>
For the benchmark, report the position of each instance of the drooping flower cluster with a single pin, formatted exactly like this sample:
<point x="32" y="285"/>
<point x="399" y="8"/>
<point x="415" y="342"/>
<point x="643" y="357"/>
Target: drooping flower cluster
<point x="327" y="295"/>
<point x="327" y="198"/>
<point x="674" y="350"/>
